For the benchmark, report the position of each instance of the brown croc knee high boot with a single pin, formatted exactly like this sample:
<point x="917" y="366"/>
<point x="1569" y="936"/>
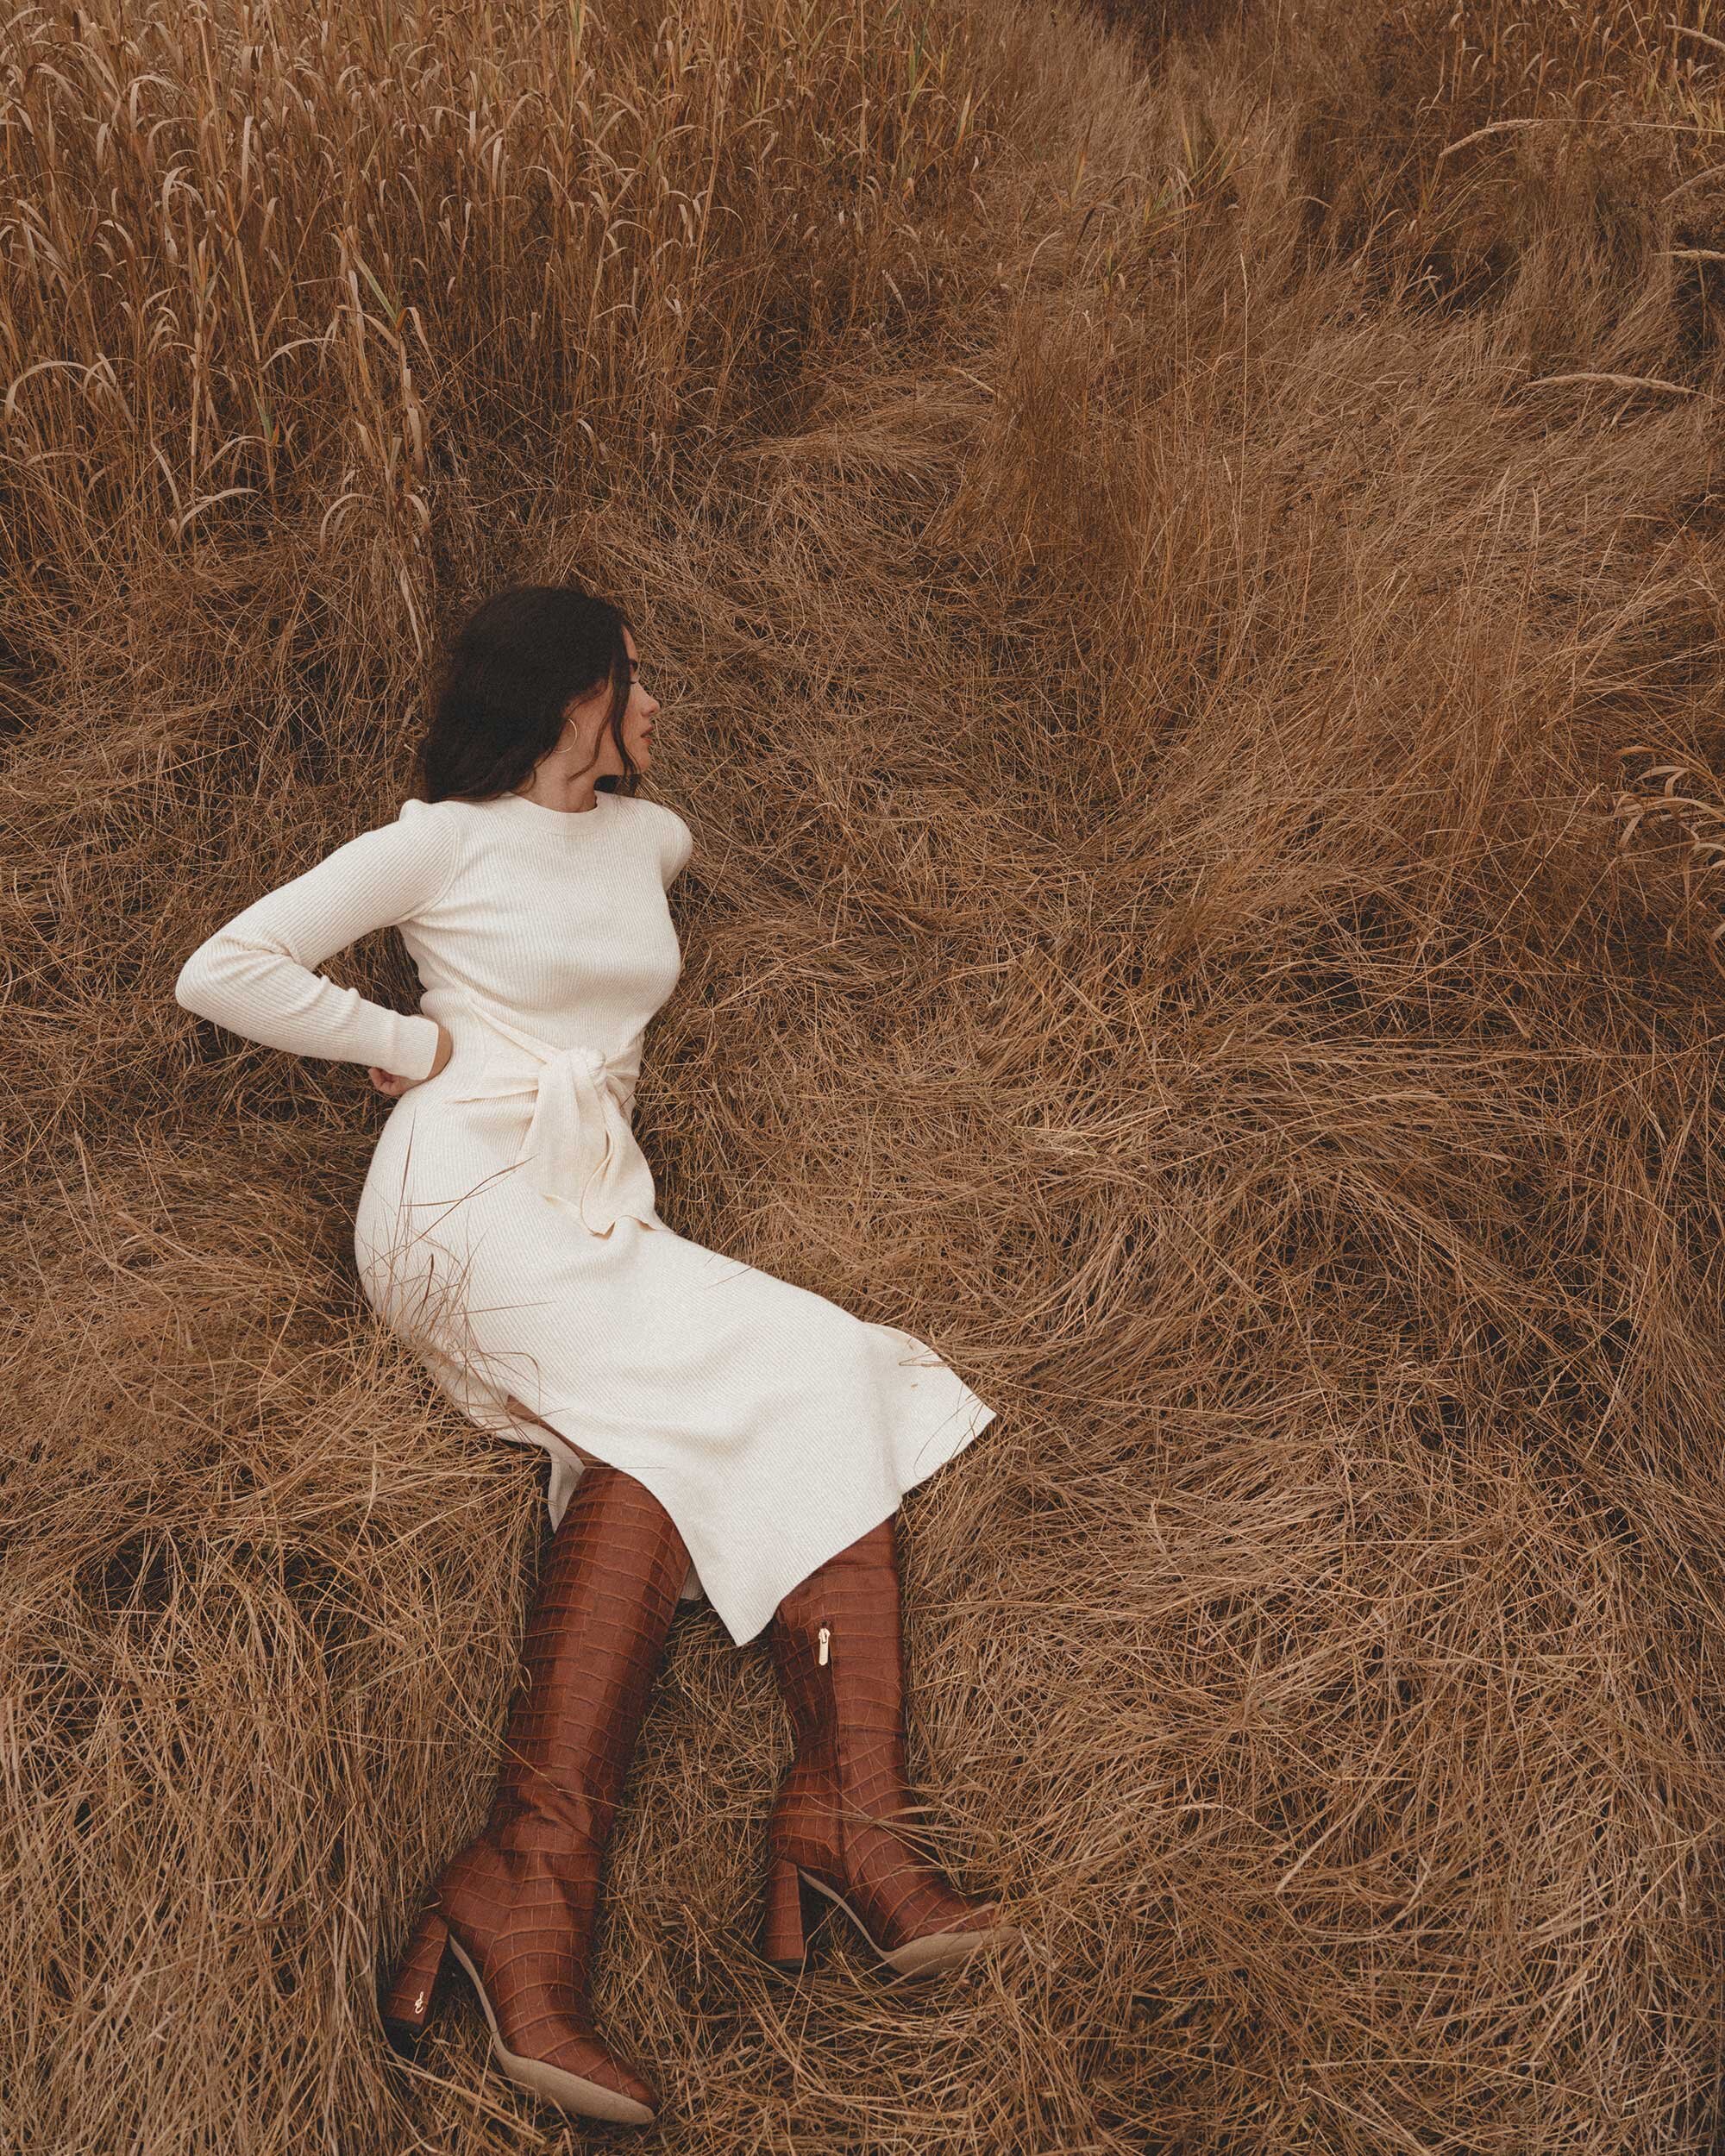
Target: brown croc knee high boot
<point x="837" y="1647"/>
<point x="516" y="1908"/>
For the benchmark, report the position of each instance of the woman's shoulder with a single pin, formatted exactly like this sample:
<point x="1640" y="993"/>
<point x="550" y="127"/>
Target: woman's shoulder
<point x="433" y="838"/>
<point x="661" y="815"/>
<point x="675" y="840"/>
<point x="447" y="812"/>
<point x="454" y="819"/>
<point x="451" y="826"/>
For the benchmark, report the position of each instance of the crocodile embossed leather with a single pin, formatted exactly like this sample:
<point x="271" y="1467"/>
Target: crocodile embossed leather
<point x="836" y="1644"/>
<point x="517" y="1906"/>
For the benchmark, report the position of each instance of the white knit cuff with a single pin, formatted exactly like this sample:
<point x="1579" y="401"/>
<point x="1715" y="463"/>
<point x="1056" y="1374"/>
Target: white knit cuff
<point x="413" y="1047"/>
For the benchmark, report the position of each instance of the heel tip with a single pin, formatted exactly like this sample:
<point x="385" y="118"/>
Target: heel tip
<point x="402" y="2039"/>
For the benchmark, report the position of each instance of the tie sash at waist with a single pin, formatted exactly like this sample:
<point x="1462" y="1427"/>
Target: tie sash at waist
<point x="586" y="1157"/>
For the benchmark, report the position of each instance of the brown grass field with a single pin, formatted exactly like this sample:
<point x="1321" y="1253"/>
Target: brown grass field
<point x="1181" y="552"/>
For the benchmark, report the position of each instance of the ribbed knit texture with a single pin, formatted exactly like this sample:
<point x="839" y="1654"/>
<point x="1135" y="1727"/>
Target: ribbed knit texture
<point x="516" y="901"/>
<point x="508" y="1230"/>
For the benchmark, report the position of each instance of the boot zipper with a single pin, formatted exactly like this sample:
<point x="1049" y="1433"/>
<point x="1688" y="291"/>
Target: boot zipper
<point x="828" y="1695"/>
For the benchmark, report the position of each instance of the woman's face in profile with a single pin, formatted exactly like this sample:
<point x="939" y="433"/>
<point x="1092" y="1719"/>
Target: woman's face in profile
<point x="586" y="719"/>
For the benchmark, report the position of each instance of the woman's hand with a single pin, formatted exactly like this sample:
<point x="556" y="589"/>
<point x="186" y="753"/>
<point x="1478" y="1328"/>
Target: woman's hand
<point x="386" y="1081"/>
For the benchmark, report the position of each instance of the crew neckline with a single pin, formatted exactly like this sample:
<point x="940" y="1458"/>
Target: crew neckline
<point x="542" y="814"/>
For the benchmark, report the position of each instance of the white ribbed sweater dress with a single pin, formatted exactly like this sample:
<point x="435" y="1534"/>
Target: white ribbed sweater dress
<point x="507" y="1228"/>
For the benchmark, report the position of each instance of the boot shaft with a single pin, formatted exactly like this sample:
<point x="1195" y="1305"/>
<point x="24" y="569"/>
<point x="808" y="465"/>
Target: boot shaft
<point x="840" y="1817"/>
<point x="836" y="1641"/>
<point x="594" y="1640"/>
<point x="522" y="1897"/>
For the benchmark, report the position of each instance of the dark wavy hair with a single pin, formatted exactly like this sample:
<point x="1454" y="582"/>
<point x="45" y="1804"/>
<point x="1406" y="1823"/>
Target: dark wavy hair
<point x="505" y="685"/>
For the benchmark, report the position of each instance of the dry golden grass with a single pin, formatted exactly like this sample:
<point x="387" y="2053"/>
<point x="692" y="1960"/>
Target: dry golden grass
<point x="1151" y="546"/>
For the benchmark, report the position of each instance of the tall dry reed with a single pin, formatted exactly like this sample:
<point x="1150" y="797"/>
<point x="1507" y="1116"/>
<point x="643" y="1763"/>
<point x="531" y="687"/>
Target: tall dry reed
<point x="1180" y="560"/>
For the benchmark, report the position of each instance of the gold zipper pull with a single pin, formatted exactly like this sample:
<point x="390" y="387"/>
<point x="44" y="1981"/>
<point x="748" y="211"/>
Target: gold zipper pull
<point x="826" y="1636"/>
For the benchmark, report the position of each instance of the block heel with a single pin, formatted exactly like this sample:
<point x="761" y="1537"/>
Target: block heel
<point x="787" y="1918"/>
<point x="406" y="2006"/>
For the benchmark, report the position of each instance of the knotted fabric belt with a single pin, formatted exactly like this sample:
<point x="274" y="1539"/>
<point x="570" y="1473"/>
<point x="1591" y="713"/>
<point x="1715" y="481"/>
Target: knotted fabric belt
<point x="585" y="1155"/>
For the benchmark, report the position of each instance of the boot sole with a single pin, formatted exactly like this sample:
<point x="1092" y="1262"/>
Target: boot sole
<point x="918" y="1957"/>
<point x="568" y="2092"/>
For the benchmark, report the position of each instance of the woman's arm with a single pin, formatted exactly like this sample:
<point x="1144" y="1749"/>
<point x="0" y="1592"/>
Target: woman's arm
<point x="254" y="975"/>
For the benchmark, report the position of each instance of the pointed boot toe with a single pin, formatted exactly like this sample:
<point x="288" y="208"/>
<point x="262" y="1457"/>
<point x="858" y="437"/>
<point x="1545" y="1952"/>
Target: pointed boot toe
<point x="568" y="2064"/>
<point x="982" y="1932"/>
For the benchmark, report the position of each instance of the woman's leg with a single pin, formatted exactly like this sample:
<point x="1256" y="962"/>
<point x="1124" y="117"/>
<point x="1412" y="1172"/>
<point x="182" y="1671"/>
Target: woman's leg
<point x="517" y="1906"/>
<point x="836" y="1644"/>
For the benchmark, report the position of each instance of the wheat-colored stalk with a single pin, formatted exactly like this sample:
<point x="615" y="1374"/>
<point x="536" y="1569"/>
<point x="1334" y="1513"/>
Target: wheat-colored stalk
<point x="1137" y="665"/>
<point x="1655" y="796"/>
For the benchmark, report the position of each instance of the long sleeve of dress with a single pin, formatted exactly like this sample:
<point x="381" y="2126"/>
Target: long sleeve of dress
<point x="256" y="976"/>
